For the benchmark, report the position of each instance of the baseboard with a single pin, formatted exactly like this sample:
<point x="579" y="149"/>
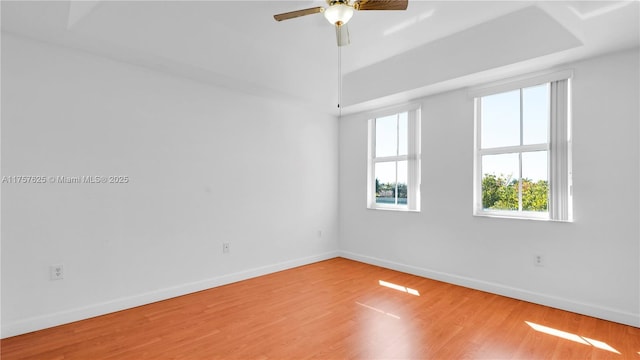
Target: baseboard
<point x="499" y="289"/>
<point x="49" y="320"/>
<point x="64" y="317"/>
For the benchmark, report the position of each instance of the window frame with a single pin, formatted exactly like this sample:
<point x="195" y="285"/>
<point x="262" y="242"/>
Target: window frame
<point x="558" y="147"/>
<point x="413" y="158"/>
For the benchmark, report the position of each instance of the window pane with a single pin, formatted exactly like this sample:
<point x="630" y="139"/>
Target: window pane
<point x="500" y="182"/>
<point x="403" y="131"/>
<point x="387" y="136"/>
<point x="535" y="181"/>
<point x="393" y="160"/>
<point x="500" y="120"/>
<point x="402" y="182"/>
<point x="535" y="114"/>
<point x="385" y="173"/>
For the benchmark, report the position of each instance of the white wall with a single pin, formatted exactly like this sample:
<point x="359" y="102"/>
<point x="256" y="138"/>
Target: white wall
<point x="206" y="166"/>
<point x="591" y="264"/>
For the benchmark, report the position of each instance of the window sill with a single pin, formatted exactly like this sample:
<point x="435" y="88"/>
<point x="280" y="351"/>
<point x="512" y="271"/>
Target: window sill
<point x="397" y="209"/>
<point x="519" y="216"/>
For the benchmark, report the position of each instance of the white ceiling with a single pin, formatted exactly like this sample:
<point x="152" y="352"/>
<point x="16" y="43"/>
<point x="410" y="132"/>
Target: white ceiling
<point x="238" y="44"/>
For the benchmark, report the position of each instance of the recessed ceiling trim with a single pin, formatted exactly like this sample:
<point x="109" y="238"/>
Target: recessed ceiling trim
<point x="522" y="35"/>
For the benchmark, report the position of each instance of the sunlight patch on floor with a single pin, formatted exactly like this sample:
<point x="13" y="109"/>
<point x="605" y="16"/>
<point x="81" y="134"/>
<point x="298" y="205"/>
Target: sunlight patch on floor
<point x="399" y="288"/>
<point x="378" y="310"/>
<point x="573" y="337"/>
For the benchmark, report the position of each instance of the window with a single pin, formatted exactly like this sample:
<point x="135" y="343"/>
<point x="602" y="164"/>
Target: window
<point x="394" y="161"/>
<point x="522" y="152"/>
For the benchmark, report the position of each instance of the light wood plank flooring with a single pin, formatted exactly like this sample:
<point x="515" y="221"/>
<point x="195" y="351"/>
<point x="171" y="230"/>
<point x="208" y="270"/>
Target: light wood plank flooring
<point x="335" y="309"/>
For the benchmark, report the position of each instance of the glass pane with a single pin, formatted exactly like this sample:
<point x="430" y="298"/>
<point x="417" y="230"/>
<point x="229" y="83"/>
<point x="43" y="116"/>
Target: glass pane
<point x="535" y="181"/>
<point x="500" y="182"/>
<point x="403" y="133"/>
<point x="500" y="120"/>
<point x="402" y="182"/>
<point x="387" y="136"/>
<point x="535" y="114"/>
<point x="385" y="182"/>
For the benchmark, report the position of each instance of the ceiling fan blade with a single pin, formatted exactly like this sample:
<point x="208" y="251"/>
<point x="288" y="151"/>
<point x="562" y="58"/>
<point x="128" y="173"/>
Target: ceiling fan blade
<point x="381" y="4"/>
<point x="342" y="35"/>
<point x="298" y="13"/>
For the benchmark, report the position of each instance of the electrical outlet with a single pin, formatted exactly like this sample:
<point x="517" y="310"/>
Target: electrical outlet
<point x="56" y="272"/>
<point x="225" y="248"/>
<point x="538" y="260"/>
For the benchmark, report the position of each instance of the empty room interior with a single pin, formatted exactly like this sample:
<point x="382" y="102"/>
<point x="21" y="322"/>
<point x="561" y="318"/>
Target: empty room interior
<point x="364" y="179"/>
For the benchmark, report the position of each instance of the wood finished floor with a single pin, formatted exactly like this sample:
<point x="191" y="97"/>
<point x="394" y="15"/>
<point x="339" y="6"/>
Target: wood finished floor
<point x="333" y="309"/>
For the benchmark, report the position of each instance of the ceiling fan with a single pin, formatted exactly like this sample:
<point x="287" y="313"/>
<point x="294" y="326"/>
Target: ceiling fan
<point x="340" y="12"/>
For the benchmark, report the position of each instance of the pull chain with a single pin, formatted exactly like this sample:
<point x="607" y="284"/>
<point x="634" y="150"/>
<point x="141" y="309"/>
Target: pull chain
<point x="340" y="81"/>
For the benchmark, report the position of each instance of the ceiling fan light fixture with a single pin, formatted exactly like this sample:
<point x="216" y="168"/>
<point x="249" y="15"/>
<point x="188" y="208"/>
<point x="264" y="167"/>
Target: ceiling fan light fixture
<point x="338" y="14"/>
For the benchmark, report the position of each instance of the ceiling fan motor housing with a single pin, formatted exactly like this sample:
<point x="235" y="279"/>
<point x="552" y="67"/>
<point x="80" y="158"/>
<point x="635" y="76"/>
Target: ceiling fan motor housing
<point x="338" y="13"/>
